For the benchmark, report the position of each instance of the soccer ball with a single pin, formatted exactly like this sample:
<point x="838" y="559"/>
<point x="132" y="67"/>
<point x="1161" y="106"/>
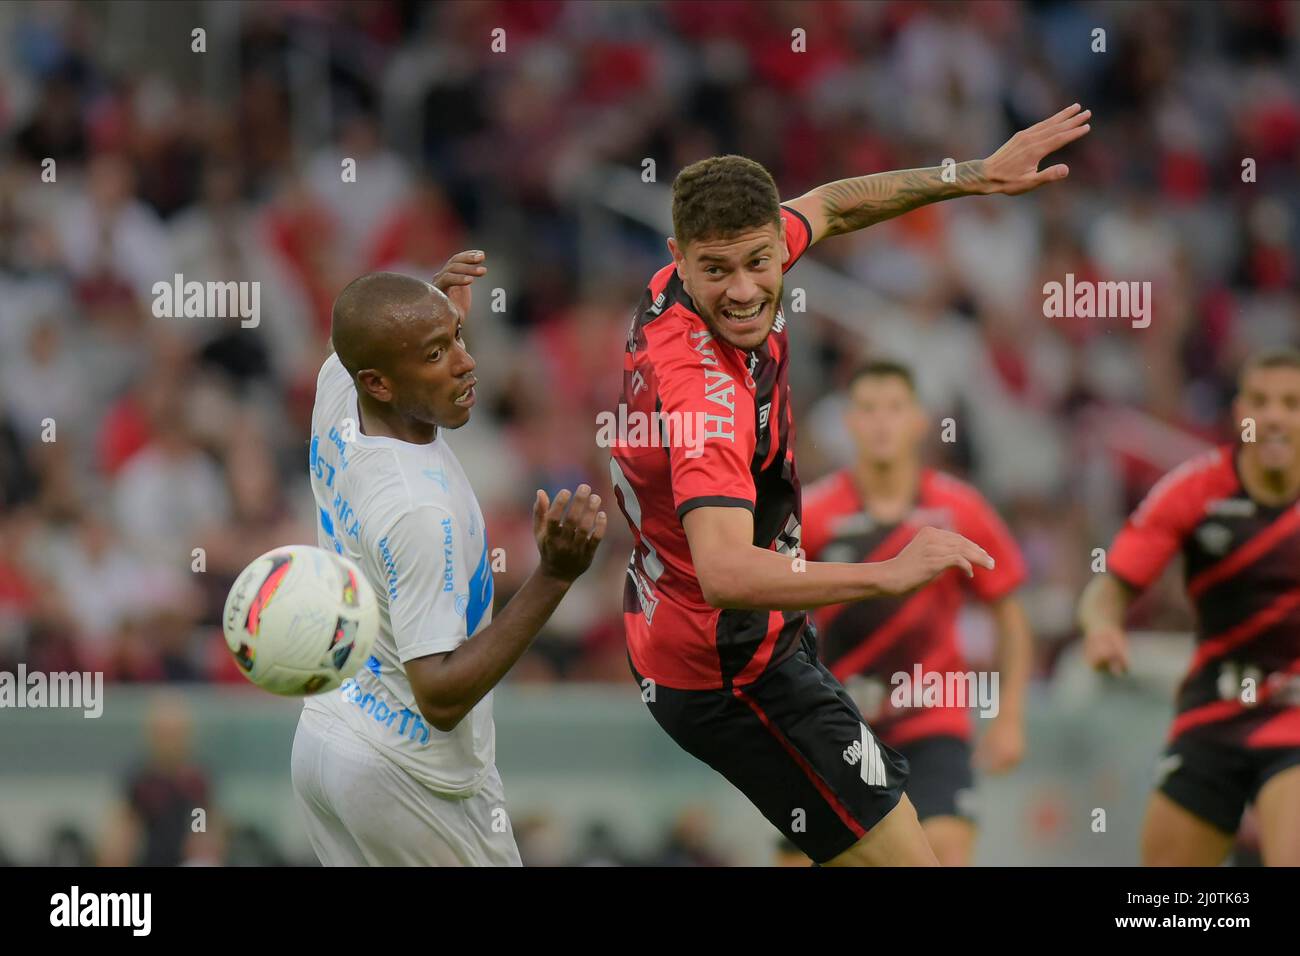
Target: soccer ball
<point x="299" y="620"/>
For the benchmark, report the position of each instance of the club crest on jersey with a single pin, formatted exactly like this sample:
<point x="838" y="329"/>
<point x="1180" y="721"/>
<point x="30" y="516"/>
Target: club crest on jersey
<point x="1214" y="538"/>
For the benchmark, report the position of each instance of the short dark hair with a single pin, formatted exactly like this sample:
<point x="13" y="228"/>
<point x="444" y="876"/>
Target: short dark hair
<point x="722" y="196"/>
<point x="1280" y="357"/>
<point x="361" y="322"/>
<point x="884" y="368"/>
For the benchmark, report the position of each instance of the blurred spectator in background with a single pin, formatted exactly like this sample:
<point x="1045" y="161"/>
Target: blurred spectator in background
<point x="690" y="840"/>
<point x="600" y="847"/>
<point x="70" y="847"/>
<point x="165" y="801"/>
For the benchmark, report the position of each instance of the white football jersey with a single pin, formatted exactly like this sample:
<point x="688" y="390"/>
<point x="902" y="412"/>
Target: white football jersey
<point x="407" y="516"/>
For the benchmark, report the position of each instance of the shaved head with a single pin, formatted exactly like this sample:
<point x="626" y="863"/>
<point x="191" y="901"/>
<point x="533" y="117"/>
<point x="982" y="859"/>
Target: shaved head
<point x="400" y="339"/>
<point x="375" y="315"/>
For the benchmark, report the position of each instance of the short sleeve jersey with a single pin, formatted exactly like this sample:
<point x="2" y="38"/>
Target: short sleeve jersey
<point x="406" y="514"/>
<point x="715" y="430"/>
<point x="1241" y="568"/>
<point x="867" y="643"/>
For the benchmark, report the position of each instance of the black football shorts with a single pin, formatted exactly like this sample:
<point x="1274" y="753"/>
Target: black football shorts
<point x="795" y="744"/>
<point x="941" y="783"/>
<point x="1217" y="781"/>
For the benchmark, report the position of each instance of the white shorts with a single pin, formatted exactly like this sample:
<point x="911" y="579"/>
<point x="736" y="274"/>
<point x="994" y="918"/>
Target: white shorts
<point x="361" y="809"/>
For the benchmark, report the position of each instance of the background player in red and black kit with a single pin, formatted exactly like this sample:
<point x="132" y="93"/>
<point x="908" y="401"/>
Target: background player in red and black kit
<point x="869" y="512"/>
<point x="1234" y="513"/>
<point x="714" y="604"/>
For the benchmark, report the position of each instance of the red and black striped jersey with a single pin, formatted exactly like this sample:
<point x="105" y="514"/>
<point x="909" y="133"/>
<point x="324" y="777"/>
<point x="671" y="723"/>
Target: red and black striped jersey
<point x="733" y="407"/>
<point x="1242" y="574"/>
<point x="866" y="643"/>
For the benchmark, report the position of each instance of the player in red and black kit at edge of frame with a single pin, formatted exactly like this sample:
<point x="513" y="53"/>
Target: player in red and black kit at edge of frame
<point x="869" y="511"/>
<point x="716" y="598"/>
<point x="1234" y="514"/>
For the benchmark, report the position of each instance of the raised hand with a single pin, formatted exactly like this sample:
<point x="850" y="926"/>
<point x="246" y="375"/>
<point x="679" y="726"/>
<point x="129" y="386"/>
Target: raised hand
<point x="568" y="541"/>
<point x="455" y="277"/>
<point x="1013" y="169"/>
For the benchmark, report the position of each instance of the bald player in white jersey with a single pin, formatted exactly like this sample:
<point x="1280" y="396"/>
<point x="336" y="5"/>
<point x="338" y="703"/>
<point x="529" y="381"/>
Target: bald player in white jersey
<point x="397" y="767"/>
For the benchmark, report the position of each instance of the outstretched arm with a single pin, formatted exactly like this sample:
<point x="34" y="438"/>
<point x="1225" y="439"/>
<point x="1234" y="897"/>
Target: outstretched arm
<point x="734" y="573"/>
<point x="850" y="204"/>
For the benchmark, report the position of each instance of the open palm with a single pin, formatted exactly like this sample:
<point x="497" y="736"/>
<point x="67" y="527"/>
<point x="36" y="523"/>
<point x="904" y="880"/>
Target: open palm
<point x="1013" y="169"/>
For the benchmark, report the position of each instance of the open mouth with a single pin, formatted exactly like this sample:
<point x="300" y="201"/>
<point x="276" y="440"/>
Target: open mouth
<point x="744" y="317"/>
<point x="466" y="398"/>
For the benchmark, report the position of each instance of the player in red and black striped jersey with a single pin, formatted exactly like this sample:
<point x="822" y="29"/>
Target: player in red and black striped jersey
<point x="1234" y="514"/>
<point x="704" y="472"/>
<point x="882" y="650"/>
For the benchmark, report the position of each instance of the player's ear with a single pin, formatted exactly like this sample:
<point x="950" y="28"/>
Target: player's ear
<point x="679" y="257"/>
<point x="374" y="384"/>
<point x="780" y="241"/>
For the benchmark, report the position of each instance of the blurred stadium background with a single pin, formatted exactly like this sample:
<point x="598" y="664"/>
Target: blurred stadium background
<point x="176" y="434"/>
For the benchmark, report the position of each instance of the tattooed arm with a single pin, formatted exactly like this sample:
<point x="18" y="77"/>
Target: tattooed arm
<point x="850" y="204"/>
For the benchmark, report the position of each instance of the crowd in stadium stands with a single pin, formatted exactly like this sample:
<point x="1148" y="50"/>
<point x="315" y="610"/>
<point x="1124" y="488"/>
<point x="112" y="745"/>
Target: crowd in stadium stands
<point x="145" y="460"/>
